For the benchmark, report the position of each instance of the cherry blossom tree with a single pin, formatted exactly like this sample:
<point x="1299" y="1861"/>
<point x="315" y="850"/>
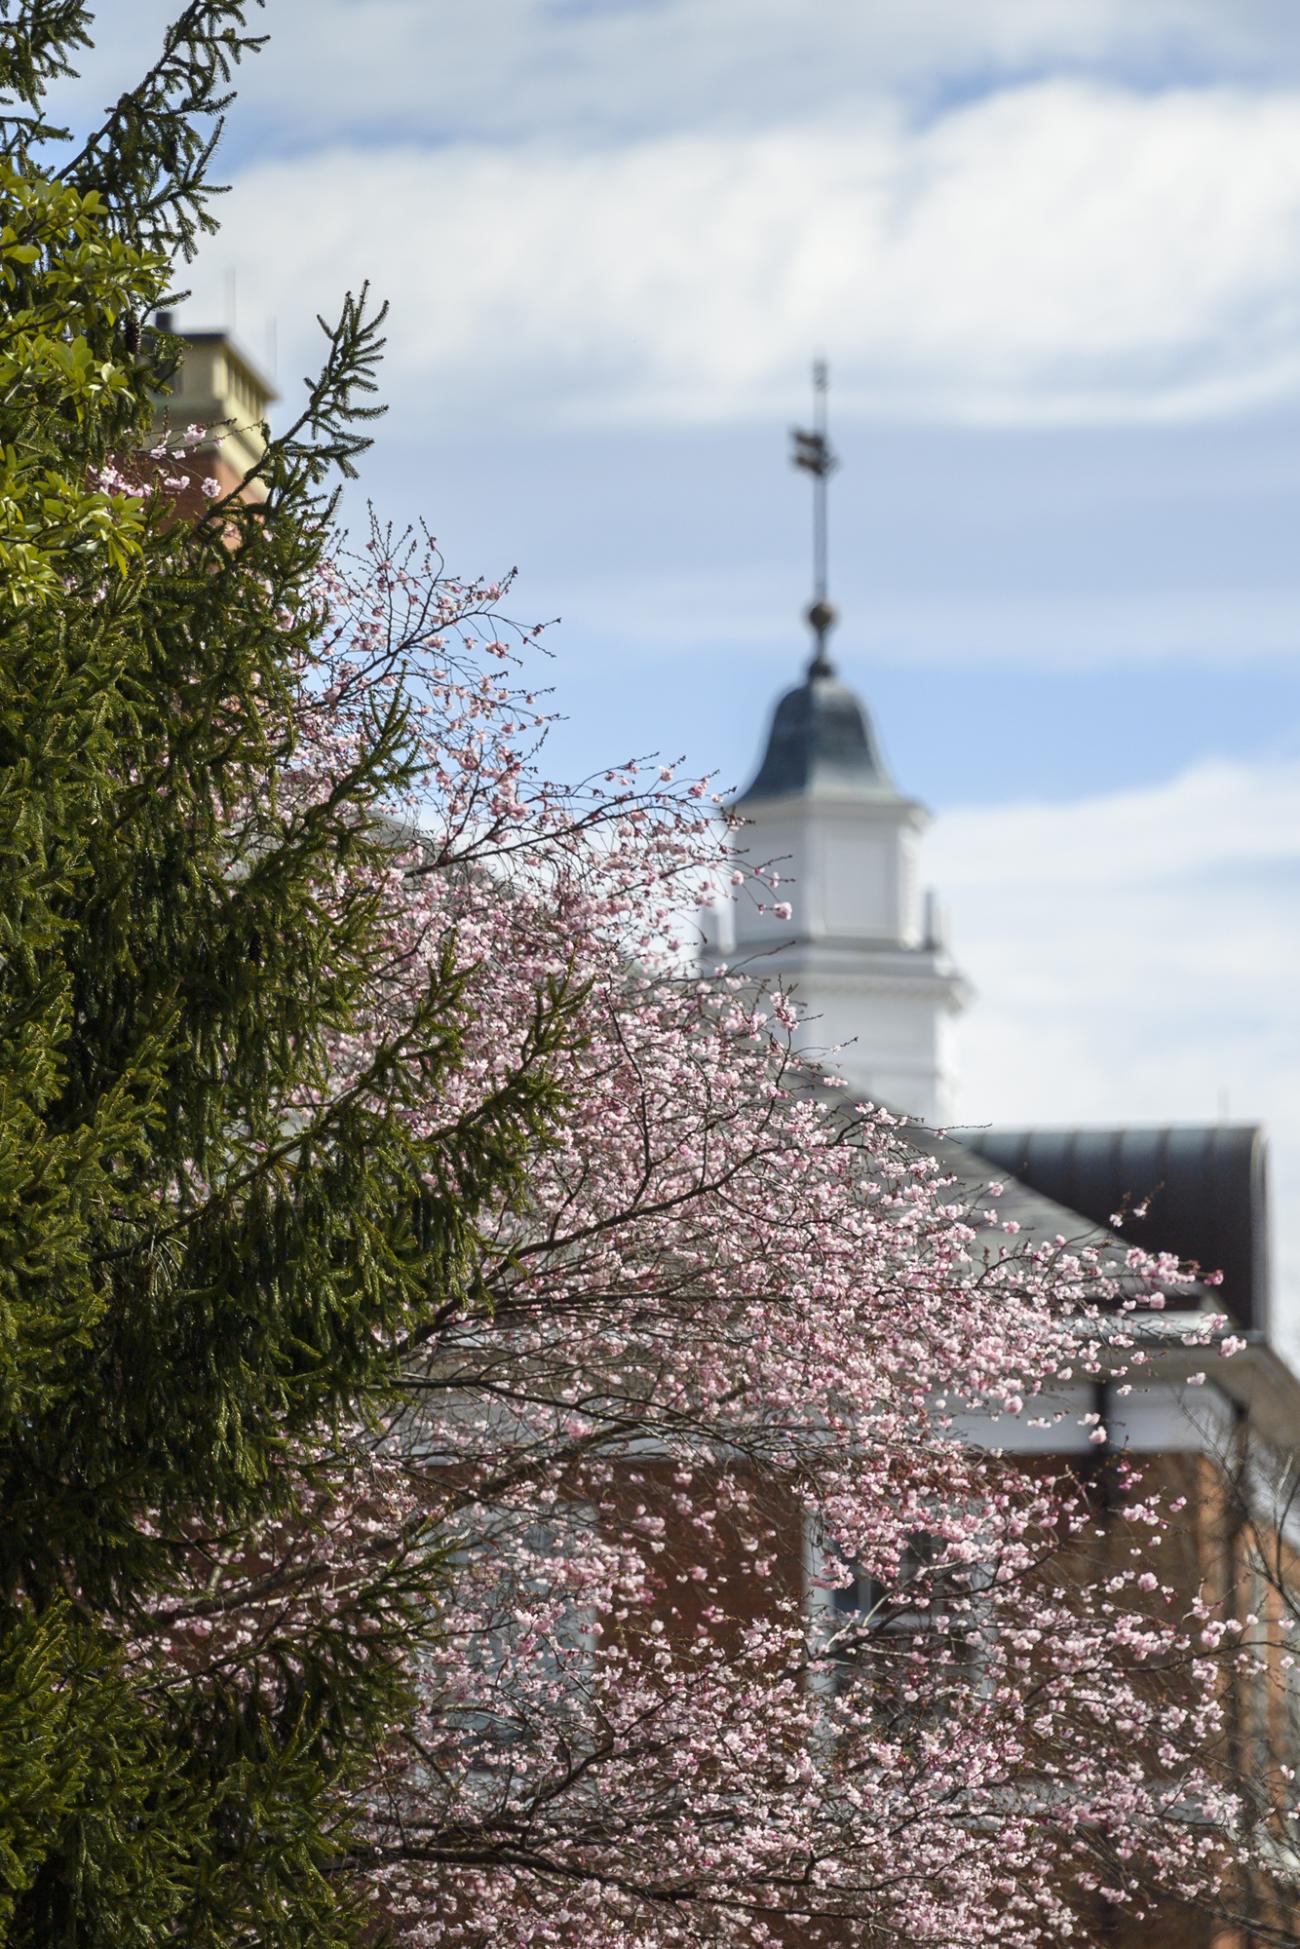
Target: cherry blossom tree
<point x="709" y="1624"/>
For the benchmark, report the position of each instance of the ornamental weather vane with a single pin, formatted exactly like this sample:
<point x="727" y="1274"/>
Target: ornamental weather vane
<point x="812" y="452"/>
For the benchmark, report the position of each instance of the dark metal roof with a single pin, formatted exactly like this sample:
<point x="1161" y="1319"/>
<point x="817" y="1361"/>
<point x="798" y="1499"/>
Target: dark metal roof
<point x="821" y="741"/>
<point x="1202" y="1191"/>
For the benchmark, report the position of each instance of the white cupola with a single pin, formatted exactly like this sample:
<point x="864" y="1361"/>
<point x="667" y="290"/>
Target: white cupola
<point x="862" y="949"/>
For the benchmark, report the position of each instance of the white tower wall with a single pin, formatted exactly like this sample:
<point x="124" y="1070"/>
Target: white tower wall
<point x="859" y="948"/>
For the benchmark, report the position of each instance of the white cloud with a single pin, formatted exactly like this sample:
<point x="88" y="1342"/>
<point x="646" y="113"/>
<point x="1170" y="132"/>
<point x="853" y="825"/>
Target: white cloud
<point x="1212" y="817"/>
<point x="505" y="71"/>
<point x="1056" y="252"/>
<point x="1135" y="959"/>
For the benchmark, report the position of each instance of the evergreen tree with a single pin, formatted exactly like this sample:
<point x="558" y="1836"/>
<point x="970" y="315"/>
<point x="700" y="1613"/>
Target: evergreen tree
<point x="213" y="1224"/>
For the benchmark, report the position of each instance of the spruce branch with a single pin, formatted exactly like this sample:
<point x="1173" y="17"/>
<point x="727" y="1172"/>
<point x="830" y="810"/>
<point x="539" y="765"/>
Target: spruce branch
<point x="325" y="438"/>
<point x="149" y="159"/>
<point x="36" y="40"/>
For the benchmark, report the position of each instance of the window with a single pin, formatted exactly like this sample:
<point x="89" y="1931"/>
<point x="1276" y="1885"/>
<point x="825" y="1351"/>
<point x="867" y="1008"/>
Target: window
<point x="900" y="1651"/>
<point x="516" y="1584"/>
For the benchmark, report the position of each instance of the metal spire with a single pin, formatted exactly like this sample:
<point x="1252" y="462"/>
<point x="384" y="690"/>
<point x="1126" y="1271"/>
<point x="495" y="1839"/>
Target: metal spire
<point x="812" y="452"/>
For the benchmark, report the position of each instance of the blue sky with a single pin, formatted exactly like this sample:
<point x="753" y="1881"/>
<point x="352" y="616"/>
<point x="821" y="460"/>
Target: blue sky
<point x="1052" y="251"/>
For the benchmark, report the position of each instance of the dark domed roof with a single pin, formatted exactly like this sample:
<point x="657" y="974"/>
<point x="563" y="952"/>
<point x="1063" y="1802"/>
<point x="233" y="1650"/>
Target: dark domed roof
<point x="821" y="741"/>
